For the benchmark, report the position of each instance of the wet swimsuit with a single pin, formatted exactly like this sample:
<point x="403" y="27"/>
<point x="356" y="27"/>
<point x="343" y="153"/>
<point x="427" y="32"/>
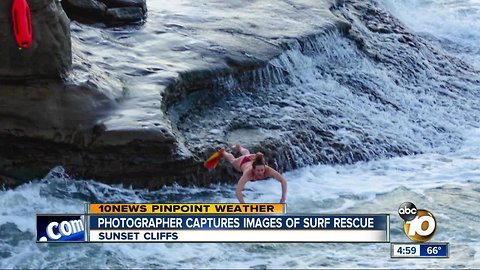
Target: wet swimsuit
<point x="245" y="160"/>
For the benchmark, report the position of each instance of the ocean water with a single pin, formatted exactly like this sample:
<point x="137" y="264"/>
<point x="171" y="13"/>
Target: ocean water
<point x="453" y="25"/>
<point x="445" y="182"/>
<point x="447" y="185"/>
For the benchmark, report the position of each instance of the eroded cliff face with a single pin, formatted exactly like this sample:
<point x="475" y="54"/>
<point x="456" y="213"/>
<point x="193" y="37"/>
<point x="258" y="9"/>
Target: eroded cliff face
<point x="108" y="119"/>
<point x="50" y="54"/>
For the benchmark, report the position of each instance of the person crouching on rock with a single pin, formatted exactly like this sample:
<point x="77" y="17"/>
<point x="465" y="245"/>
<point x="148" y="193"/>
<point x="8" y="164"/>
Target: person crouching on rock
<point x="254" y="168"/>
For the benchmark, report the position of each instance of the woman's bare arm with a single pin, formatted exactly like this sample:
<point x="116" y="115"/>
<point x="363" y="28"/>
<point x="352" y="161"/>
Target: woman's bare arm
<point x="241" y="184"/>
<point x="273" y="173"/>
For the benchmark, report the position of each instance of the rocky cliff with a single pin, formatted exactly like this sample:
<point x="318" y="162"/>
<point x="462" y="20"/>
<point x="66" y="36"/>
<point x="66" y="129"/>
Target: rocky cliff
<point x="50" y="54"/>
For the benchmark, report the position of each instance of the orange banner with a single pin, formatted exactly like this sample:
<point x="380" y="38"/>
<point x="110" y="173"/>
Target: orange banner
<point x="189" y="208"/>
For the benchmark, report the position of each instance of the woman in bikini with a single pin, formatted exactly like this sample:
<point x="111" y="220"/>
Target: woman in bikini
<point x="254" y="168"/>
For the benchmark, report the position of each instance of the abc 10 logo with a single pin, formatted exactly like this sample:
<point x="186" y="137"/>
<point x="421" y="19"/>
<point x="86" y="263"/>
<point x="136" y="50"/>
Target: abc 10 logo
<point x="419" y="224"/>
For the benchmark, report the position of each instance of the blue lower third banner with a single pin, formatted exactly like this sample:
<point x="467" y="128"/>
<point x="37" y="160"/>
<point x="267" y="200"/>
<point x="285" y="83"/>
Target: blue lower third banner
<point x="242" y="228"/>
<point x="60" y="228"/>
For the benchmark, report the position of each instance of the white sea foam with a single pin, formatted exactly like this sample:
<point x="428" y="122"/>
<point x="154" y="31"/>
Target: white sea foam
<point x="455" y="23"/>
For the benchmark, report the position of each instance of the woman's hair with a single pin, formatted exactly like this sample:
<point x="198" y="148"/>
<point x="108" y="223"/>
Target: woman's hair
<point x="258" y="160"/>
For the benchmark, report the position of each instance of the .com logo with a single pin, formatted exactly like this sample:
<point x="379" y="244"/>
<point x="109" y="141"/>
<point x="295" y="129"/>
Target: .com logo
<point x="65" y="230"/>
<point x="419" y="224"/>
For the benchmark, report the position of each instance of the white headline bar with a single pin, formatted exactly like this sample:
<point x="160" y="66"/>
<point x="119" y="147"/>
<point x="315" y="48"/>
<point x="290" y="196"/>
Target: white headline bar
<point x="238" y="236"/>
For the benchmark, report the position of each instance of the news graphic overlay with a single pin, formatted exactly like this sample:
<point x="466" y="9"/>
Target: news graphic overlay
<point x="228" y="223"/>
<point x="186" y="208"/>
<point x="419" y="226"/>
<point x="424" y="250"/>
<point x="60" y="228"/>
<point x="203" y="222"/>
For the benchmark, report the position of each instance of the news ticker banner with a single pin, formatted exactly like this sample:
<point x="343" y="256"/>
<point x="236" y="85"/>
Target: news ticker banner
<point x="208" y="223"/>
<point x="419" y="250"/>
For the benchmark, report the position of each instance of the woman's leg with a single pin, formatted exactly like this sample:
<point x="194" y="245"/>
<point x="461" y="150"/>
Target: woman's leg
<point x="243" y="151"/>
<point x="234" y="161"/>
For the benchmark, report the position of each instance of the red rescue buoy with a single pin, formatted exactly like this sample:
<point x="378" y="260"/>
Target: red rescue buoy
<point x="22" y="23"/>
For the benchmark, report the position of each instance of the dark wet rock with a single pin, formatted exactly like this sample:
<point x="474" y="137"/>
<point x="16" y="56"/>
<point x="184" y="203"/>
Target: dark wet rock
<point x="11" y="235"/>
<point x="50" y="53"/>
<point x="110" y="12"/>
<point x="124" y="15"/>
<point x="64" y="124"/>
<point x="91" y="9"/>
<point x="388" y="41"/>
<point x="7" y="182"/>
<point x="4" y="253"/>
<point x="126" y="3"/>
